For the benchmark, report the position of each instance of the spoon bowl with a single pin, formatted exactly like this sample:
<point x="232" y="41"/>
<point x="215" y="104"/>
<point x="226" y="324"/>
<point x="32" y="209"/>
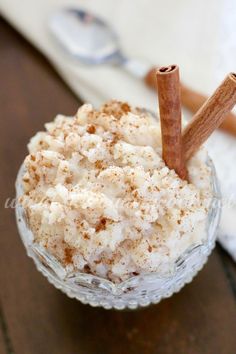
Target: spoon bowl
<point x="85" y="36"/>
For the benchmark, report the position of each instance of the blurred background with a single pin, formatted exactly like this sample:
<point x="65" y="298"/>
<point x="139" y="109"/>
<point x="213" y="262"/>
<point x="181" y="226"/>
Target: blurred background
<point x="198" y="37"/>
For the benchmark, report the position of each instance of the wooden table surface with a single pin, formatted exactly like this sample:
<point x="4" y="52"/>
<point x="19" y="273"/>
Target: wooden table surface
<point x="35" y="318"/>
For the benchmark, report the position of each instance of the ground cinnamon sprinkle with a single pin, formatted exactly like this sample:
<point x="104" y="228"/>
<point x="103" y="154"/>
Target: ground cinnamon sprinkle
<point x="37" y="177"/>
<point x="125" y="107"/>
<point x="87" y="268"/>
<point x="101" y="225"/>
<point x="116" y="138"/>
<point x="91" y="129"/>
<point x="68" y="255"/>
<point x="98" y="164"/>
<point x="68" y="180"/>
<point x="86" y="236"/>
<point x="116" y="108"/>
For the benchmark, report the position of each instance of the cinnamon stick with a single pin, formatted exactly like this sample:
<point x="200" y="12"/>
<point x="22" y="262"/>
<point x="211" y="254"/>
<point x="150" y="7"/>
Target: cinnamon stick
<point x="210" y="116"/>
<point x="193" y="100"/>
<point x="168" y="89"/>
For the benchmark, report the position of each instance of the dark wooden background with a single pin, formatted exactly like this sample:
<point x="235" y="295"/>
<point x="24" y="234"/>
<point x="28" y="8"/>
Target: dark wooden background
<point x="35" y="318"/>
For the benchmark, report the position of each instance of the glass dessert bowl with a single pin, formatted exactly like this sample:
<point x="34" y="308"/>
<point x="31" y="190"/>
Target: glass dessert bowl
<point x="117" y="288"/>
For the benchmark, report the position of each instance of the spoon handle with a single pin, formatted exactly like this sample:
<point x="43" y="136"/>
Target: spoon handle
<point x="193" y="100"/>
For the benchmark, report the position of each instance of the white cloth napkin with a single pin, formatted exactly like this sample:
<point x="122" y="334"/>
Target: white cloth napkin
<point x="198" y="36"/>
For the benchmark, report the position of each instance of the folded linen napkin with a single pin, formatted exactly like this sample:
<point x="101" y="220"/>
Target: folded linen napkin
<point x="196" y="35"/>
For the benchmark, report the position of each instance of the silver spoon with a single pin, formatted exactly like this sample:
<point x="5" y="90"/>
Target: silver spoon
<point x="90" y="40"/>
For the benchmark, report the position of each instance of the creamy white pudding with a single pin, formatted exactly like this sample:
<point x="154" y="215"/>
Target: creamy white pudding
<point x="99" y="197"/>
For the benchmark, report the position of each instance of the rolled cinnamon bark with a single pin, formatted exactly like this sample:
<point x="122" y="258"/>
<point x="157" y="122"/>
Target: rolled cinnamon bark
<point x="210" y="116"/>
<point x="193" y="100"/>
<point x="170" y="116"/>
